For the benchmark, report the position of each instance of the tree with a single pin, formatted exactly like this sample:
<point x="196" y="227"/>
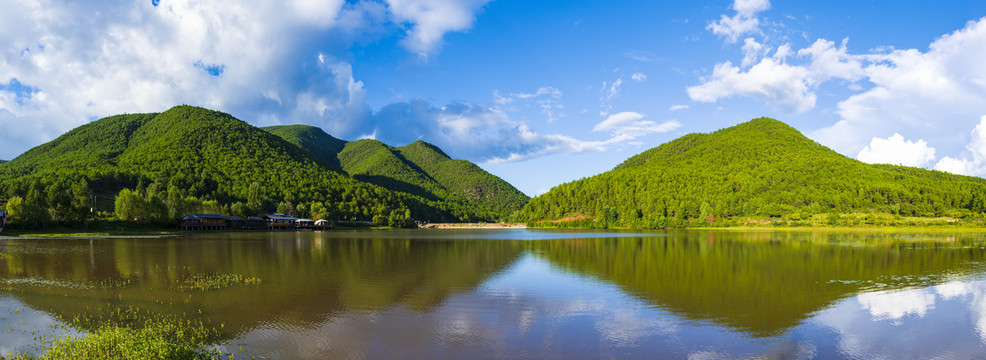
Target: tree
<point x="129" y="206"/>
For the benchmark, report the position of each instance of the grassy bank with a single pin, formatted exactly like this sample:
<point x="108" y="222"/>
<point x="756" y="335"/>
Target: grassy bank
<point x="129" y="334"/>
<point x="875" y="222"/>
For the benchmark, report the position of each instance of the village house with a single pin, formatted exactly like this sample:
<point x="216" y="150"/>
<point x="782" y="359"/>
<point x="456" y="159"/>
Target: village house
<point x="280" y="221"/>
<point x="3" y="219"/>
<point x="235" y="222"/>
<point x="254" y="222"/>
<point x="322" y="224"/>
<point x="304" y="223"/>
<point x="190" y="222"/>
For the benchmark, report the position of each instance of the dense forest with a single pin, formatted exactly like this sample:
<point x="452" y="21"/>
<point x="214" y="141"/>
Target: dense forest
<point x="420" y="169"/>
<point x="761" y="168"/>
<point x="154" y="168"/>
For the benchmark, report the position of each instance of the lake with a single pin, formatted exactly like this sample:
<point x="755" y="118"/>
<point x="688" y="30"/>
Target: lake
<point x="514" y="294"/>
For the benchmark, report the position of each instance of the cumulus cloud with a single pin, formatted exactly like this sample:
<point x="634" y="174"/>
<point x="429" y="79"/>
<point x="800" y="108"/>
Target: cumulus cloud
<point x="472" y="131"/>
<point x="895" y="150"/>
<point x="431" y="19"/>
<point x="638" y="77"/>
<point x="772" y="80"/>
<point x="927" y="94"/>
<point x="745" y="20"/>
<point x="974" y="163"/>
<point x="64" y="63"/>
<point x="752" y="51"/>
<point x="828" y="62"/>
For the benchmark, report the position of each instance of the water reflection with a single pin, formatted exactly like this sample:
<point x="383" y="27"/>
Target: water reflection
<point x="497" y="294"/>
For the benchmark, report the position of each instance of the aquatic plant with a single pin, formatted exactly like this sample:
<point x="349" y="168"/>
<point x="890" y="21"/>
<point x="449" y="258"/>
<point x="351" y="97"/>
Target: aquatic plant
<point x="132" y="334"/>
<point x="205" y="282"/>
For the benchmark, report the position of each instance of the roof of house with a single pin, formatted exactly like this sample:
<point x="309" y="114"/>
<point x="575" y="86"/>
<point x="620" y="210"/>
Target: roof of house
<point x="321" y="221"/>
<point x="304" y="220"/>
<point x="280" y="217"/>
<point x="211" y="216"/>
<point x="234" y="218"/>
<point x="254" y="218"/>
<point x="190" y="217"/>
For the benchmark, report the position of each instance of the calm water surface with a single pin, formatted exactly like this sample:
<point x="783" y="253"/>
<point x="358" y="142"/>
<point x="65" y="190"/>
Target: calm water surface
<point x="522" y="293"/>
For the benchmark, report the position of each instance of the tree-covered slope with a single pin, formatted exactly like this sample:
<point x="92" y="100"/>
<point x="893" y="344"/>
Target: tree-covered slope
<point x="199" y="153"/>
<point x="313" y="139"/>
<point x="464" y="178"/>
<point x="378" y="163"/>
<point x="759" y="168"/>
<point x="420" y="169"/>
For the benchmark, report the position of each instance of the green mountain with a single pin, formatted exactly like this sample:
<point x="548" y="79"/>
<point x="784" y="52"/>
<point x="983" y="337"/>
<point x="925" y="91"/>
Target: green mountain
<point x="313" y="139"/>
<point x="199" y="153"/>
<point x="464" y="178"/>
<point x="760" y="168"/>
<point x="420" y="169"/>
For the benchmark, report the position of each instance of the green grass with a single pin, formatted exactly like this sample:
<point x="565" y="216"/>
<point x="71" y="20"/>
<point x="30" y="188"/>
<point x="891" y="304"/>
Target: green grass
<point x="131" y="334"/>
<point x="206" y="282"/>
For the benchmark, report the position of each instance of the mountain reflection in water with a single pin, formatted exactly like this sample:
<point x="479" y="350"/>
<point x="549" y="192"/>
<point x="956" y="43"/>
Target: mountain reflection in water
<point x="531" y="294"/>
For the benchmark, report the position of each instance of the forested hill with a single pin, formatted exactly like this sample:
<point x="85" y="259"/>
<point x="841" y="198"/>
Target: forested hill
<point x="313" y="139"/>
<point x="759" y="168"/>
<point x="419" y="169"/>
<point x="201" y="158"/>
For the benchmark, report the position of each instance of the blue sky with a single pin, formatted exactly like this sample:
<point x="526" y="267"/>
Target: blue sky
<point x="538" y="93"/>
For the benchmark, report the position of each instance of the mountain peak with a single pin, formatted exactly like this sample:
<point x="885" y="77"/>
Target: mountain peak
<point x="762" y="167"/>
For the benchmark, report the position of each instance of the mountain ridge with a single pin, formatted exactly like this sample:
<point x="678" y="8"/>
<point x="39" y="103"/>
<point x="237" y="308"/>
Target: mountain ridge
<point x="419" y="168"/>
<point x="763" y="168"/>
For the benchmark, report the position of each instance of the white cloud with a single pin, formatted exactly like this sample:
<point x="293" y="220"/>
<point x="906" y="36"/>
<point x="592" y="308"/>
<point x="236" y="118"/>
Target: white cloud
<point x="744" y="22"/>
<point x="638" y="77"/>
<point x="894" y="305"/>
<point x="610" y="92"/>
<point x="752" y="52"/>
<point x="914" y="93"/>
<point x="829" y="62"/>
<point x="263" y="61"/>
<point x="546" y="97"/>
<point x="895" y="150"/>
<point x="431" y="19"/>
<point x="626" y="126"/>
<point x="771" y="80"/>
<point x="677" y="107"/>
<point x="975" y="163"/>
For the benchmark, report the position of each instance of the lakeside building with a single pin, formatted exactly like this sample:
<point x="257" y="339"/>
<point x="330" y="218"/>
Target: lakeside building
<point x="270" y="221"/>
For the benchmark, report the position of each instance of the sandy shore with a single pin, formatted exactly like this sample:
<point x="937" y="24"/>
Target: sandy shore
<point x="474" y="226"/>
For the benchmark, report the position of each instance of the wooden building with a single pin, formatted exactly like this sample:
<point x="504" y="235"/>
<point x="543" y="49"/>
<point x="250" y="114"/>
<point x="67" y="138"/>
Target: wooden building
<point x="203" y="222"/>
<point x="190" y="222"/>
<point x="235" y="222"/>
<point x="322" y="224"/>
<point x="280" y="221"/>
<point x="254" y="222"/>
<point x="304" y="224"/>
<point x="3" y="219"/>
<point x="213" y="221"/>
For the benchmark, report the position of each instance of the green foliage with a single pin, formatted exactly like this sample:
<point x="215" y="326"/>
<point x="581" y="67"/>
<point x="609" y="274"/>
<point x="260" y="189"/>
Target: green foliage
<point x="762" y="168"/>
<point x="206" y="282"/>
<point x="445" y="189"/>
<point x="194" y="159"/>
<point x="313" y="139"/>
<point x="133" y="334"/>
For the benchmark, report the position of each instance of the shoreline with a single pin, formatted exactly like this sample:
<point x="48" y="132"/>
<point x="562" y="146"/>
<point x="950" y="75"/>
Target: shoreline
<point x="454" y="226"/>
